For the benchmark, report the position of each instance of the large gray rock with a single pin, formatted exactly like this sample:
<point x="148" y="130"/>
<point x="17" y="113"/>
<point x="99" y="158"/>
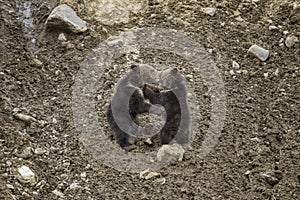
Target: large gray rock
<point x="64" y="17"/>
<point x="110" y="12"/>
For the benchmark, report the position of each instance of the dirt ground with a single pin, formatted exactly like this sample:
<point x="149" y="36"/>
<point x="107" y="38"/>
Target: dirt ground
<point x="257" y="156"/>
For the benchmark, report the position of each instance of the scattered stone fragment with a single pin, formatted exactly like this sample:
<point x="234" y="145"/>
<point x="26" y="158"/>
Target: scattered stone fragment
<point x="63" y="17"/>
<point x="210" y="10"/>
<point x="148" y="142"/>
<point x="147" y="174"/>
<point x="161" y="180"/>
<point x="27" y="153"/>
<point x="235" y="65"/>
<point x="170" y="152"/>
<point x="25" y="118"/>
<point x="276" y="72"/>
<point x="75" y="186"/>
<point x="144" y="173"/>
<point x="10" y="186"/>
<point x="39" y="151"/>
<point x="272" y="27"/>
<point x="247" y="172"/>
<point x="62" y="37"/>
<point x="231" y="72"/>
<point x="239" y="19"/>
<point x="259" y="52"/>
<point x="266" y="75"/>
<point x="291" y="41"/>
<point x="58" y="193"/>
<point x="151" y="175"/>
<point x="37" y="62"/>
<point x="26" y="175"/>
<point x="285" y="32"/>
<point x="270" y="179"/>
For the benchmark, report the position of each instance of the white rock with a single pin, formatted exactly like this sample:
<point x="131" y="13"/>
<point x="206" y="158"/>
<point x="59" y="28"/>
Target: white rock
<point x="235" y="65"/>
<point x="37" y="62"/>
<point x="291" y="41"/>
<point x="152" y="175"/>
<point x="39" y="151"/>
<point x="58" y="193"/>
<point x="144" y="173"/>
<point x="285" y="32"/>
<point x="276" y="72"/>
<point x="170" y="152"/>
<point x="147" y="174"/>
<point x="62" y="37"/>
<point x="272" y="27"/>
<point x="161" y="180"/>
<point x="25" y="118"/>
<point x="75" y="186"/>
<point x="259" y="52"/>
<point x="26" y="175"/>
<point x="210" y="10"/>
<point x="63" y="17"/>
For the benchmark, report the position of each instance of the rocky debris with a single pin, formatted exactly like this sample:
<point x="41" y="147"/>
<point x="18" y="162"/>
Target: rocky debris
<point x="161" y="180"/>
<point x="37" y="62"/>
<point x="276" y="72"/>
<point x="39" y="151"/>
<point x="62" y="37"/>
<point x="148" y="142"/>
<point x="210" y="10"/>
<point x="64" y="17"/>
<point x="26" y="175"/>
<point x="272" y="178"/>
<point x="170" y="152"/>
<point x="58" y="193"/>
<point x="235" y="65"/>
<point x="75" y="186"/>
<point x="27" y="153"/>
<point x="147" y="174"/>
<point x="273" y="27"/>
<point x="24" y="118"/>
<point x="261" y="53"/>
<point x="290" y="41"/>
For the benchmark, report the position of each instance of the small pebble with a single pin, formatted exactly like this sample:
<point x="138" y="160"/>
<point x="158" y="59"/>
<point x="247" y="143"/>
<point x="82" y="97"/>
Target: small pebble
<point x="75" y="186"/>
<point x="39" y="151"/>
<point x="62" y="37"/>
<point x="147" y="174"/>
<point x="276" y="72"/>
<point x="273" y="27"/>
<point x="160" y="180"/>
<point x="235" y="65"/>
<point x="247" y="172"/>
<point x="37" y="62"/>
<point x="285" y="32"/>
<point x="58" y="193"/>
<point x="27" y="153"/>
<point x="210" y="10"/>
<point x="10" y="186"/>
<point x="271" y="180"/>
<point x="259" y="52"/>
<point x="291" y="41"/>
<point x="231" y="72"/>
<point x="25" y="118"/>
